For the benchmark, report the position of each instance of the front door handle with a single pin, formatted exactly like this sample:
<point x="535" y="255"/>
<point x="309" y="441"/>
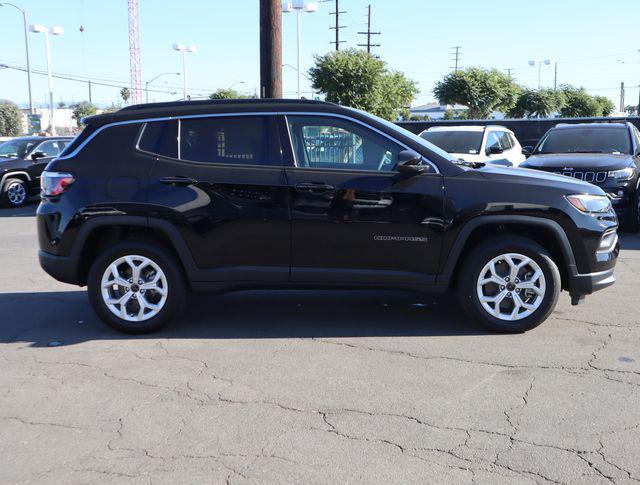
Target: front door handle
<point x="314" y="187"/>
<point x="178" y="181"/>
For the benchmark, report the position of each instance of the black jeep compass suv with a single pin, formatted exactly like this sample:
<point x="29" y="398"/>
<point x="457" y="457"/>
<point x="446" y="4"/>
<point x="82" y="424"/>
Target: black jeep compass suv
<point x="604" y="154"/>
<point x="157" y="199"/>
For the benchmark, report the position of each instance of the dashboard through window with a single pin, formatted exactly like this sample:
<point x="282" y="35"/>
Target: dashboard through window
<point x="333" y="143"/>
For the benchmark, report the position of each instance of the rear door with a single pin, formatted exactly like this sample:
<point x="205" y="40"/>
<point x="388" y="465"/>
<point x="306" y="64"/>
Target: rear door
<point x="355" y="219"/>
<point x="220" y="180"/>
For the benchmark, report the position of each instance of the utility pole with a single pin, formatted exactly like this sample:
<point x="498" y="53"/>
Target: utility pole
<point x="337" y="27"/>
<point x="89" y="91"/>
<point x="555" y="76"/>
<point x="622" y="97"/>
<point x="509" y="72"/>
<point x="456" y="59"/>
<point x="270" y="49"/>
<point x="368" y="33"/>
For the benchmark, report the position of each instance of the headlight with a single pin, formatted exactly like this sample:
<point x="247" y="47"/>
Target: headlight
<point x="624" y="174"/>
<point x="590" y="203"/>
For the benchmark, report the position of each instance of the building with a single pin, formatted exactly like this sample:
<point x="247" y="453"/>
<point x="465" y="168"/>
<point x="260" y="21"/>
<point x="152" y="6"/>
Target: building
<point x="436" y="111"/>
<point x="62" y="117"/>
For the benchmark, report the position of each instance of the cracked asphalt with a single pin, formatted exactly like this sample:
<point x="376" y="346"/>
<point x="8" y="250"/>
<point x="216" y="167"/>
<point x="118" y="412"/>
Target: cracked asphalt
<point x="313" y="387"/>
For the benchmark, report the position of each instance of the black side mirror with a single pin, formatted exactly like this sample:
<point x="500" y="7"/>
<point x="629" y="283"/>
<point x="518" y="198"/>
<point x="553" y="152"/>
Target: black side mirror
<point x="494" y="150"/>
<point x="37" y="155"/>
<point x="409" y="163"/>
<point x="528" y="150"/>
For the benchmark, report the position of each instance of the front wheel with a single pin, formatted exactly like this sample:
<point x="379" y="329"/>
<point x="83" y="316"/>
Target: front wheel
<point x="15" y="193"/>
<point x="509" y="285"/>
<point x="136" y="287"/>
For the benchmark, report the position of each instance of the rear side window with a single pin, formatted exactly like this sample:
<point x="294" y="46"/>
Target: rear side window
<point x="77" y="141"/>
<point x="239" y="140"/>
<point x="160" y="138"/>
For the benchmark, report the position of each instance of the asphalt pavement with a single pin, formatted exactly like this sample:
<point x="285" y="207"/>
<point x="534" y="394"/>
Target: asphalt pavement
<point x="313" y="387"/>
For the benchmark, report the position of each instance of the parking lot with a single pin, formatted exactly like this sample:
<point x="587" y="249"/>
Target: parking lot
<point x="312" y="387"/>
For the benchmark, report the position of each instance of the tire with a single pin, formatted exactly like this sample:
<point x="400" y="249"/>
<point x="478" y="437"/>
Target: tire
<point x="159" y="272"/>
<point x="509" y="249"/>
<point x="15" y="193"/>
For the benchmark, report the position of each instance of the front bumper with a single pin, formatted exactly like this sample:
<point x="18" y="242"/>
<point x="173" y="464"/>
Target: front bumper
<point x="62" y="268"/>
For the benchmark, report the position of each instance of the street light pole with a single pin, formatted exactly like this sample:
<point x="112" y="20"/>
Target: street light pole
<point x="146" y="85"/>
<point x="26" y="47"/>
<point x="37" y="28"/>
<point x="299" y="5"/>
<point x="546" y="62"/>
<point x="184" y="49"/>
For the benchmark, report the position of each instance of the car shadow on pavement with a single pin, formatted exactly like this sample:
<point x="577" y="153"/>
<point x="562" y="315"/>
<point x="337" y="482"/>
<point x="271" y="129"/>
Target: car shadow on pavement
<point x="28" y="210"/>
<point x="65" y="318"/>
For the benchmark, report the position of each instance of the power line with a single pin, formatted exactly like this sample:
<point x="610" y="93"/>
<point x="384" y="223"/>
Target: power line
<point x="337" y="26"/>
<point x="368" y="33"/>
<point x="456" y="51"/>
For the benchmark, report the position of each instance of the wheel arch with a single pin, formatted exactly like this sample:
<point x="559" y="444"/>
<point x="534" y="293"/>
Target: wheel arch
<point x="548" y="233"/>
<point x="98" y="233"/>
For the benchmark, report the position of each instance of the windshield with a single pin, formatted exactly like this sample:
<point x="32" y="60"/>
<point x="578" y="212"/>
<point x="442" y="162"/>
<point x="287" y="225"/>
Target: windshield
<point x="586" y="140"/>
<point x="455" y="141"/>
<point x="399" y="129"/>
<point x="16" y="148"/>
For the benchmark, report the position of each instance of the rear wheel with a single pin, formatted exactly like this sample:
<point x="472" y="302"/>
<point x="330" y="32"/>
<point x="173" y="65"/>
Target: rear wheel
<point x="509" y="285"/>
<point x="15" y="193"/>
<point x="136" y="287"/>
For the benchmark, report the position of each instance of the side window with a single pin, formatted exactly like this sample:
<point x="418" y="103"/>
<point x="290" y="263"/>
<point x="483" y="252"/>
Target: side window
<point x="50" y="148"/>
<point x="505" y="141"/>
<point x="325" y="142"/>
<point x="493" y="140"/>
<point x="160" y="138"/>
<point x="239" y="140"/>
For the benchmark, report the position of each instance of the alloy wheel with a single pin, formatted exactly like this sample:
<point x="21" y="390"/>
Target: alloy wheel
<point x="511" y="287"/>
<point x="16" y="193"/>
<point x="134" y="288"/>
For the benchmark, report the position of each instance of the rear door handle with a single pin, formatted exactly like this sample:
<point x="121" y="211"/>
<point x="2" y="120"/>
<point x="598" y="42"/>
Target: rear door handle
<point x="314" y="187"/>
<point x="178" y="181"/>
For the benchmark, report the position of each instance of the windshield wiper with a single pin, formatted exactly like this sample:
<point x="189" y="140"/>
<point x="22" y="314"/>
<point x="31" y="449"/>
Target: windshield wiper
<point x="586" y="151"/>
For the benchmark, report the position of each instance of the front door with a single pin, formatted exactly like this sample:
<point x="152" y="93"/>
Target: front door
<point x="223" y="186"/>
<point x="355" y="219"/>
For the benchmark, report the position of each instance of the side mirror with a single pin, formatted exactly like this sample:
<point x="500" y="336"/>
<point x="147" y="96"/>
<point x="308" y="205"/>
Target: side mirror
<point x="37" y="155"/>
<point x="494" y="150"/>
<point x="409" y="163"/>
<point x="528" y="150"/>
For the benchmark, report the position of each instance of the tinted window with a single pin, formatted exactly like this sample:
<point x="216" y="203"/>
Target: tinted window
<point x="505" y="142"/>
<point x="161" y="138"/>
<point x="586" y="140"/>
<point x="324" y="142"/>
<point x="455" y="141"/>
<point x="16" y="148"/>
<point x="50" y="148"/>
<point x="241" y="140"/>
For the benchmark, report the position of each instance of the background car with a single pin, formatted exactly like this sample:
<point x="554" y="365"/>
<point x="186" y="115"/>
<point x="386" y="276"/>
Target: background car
<point x="22" y="161"/>
<point x="492" y="144"/>
<point x="604" y="154"/>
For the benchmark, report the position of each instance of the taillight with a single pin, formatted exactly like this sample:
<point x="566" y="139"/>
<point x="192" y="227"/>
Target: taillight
<point x="55" y="183"/>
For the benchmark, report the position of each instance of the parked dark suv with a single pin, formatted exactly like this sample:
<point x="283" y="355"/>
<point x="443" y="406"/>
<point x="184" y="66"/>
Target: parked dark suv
<point x="156" y="199"/>
<point x="22" y="160"/>
<point x="605" y="154"/>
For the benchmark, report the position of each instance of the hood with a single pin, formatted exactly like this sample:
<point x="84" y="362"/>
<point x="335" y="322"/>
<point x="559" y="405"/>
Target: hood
<point x="532" y="178"/>
<point x="600" y="161"/>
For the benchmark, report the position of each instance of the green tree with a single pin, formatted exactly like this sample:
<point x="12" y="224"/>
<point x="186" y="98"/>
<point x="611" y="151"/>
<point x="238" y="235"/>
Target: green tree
<point x="455" y="114"/>
<point x="537" y="103"/>
<point x="606" y="105"/>
<point x="578" y="103"/>
<point x="10" y="118"/>
<point x="81" y="110"/>
<point x="227" y="94"/>
<point x="110" y="109"/>
<point x="631" y="109"/>
<point x="481" y="90"/>
<point x="354" y="78"/>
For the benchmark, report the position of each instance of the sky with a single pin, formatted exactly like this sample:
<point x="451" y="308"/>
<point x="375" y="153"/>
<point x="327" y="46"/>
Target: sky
<point x="595" y="43"/>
